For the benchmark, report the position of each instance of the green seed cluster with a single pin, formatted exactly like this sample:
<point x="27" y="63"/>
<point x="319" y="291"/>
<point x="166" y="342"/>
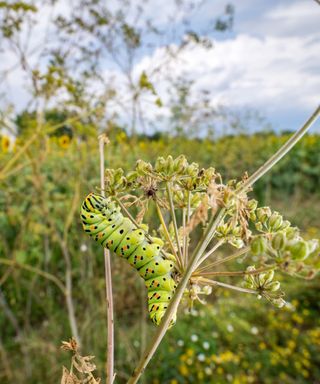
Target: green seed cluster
<point x="265" y="286"/>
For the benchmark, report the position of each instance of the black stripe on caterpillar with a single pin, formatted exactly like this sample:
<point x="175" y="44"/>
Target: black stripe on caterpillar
<point x="103" y="220"/>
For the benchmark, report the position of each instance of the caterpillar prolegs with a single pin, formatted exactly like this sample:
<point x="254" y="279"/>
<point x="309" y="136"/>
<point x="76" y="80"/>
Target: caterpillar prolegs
<point x="103" y="220"/>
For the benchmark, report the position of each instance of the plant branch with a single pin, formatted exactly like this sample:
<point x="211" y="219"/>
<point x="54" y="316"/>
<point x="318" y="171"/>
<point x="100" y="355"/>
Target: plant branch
<point x="166" y="232"/>
<point x="108" y="279"/>
<point x="239" y="273"/>
<point x="229" y="286"/>
<point x="174" y="220"/>
<point x="209" y="253"/>
<point x="224" y="260"/>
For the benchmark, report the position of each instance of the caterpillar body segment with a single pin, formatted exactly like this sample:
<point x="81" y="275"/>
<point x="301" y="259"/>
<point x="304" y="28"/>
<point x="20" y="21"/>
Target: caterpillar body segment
<point x="103" y="221"/>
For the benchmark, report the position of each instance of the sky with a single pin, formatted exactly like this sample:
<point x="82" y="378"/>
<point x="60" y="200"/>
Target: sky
<point x="268" y="62"/>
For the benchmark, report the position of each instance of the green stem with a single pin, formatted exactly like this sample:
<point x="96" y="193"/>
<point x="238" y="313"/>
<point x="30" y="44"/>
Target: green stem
<point x="224" y="260"/>
<point x="238" y="273"/>
<point x="166" y="232"/>
<point x="209" y="253"/>
<point x="229" y="286"/>
<point x="174" y="220"/>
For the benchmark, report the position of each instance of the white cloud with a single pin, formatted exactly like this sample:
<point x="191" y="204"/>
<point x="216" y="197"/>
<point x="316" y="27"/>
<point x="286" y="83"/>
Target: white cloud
<point x="267" y="74"/>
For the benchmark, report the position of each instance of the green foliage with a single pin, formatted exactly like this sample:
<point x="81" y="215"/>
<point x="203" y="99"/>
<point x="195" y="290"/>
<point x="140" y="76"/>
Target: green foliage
<point x="39" y="207"/>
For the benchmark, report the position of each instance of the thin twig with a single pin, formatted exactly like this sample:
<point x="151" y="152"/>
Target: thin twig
<point x="229" y="286"/>
<point x="108" y="278"/>
<point x="238" y="273"/>
<point x="69" y="289"/>
<point x="209" y="253"/>
<point x="174" y="221"/>
<point x="166" y="232"/>
<point x="235" y="255"/>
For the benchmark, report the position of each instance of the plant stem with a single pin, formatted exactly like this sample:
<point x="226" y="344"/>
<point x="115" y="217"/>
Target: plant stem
<point x="239" y="273"/>
<point x="174" y="220"/>
<point x="229" y="286"/>
<point x="224" y="260"/>
<point x="166" y="232"/>
<point x="209" y="253"/>
<point x="281" y="152"/>
<point x="108" y="280"/>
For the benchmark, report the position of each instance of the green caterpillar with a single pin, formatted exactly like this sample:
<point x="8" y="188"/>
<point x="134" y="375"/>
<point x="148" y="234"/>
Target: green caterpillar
<point x="103" y="221"/>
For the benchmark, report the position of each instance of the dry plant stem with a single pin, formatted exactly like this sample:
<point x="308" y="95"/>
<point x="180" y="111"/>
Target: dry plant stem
<point x="174" y="220"/>
<point x="224" y="260"/>
<point x="108" y="279"/>
<point x="184" y="248"/>
<point x="152" y="347"/>
<point x="69" y="301"/>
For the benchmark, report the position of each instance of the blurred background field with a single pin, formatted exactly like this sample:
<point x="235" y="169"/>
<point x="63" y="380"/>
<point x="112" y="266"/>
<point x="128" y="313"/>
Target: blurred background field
<point x="224" y="84"/>
<point x="234" y="338"/>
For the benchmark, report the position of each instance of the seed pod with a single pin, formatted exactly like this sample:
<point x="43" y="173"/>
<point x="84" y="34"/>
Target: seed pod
<point x="143" y="167"/>
<point x="313" y="245"/>
<point x="267" y="277"/>
<point x="263" y="213"/>
<point x="299" y="250"/>
<point x="259" y="246"/>
<point x="160" y="164"/>
<point x="259" y="226"/>
<point x="237" y="243"/>
<point x="278" y="302"/>
<point x="292" y="233"/>
<point x="132" y="176"/>
<point x="286" y="224"/>
<point x="180" y="164"/>
<point x="273" y="286"/>
<point x="192" y="169"/>
<point x="252" y="205"/>
<point x="275" y="221"/>
<point x="279" y="241"/>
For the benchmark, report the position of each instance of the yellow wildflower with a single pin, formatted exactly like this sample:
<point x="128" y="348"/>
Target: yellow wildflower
<point x="64" y="141"/>
<point x="262" y="346"/>
<point x="5" y="144"/>
<point x="220" y="371"/>
<point x="184" y="370"/>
